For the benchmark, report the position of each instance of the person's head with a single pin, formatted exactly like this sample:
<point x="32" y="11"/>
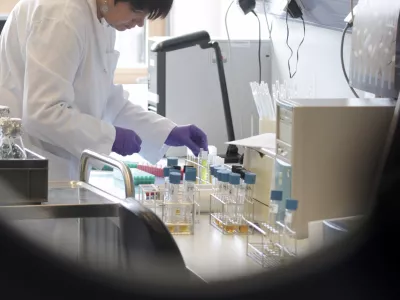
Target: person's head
<point x="127" y="14"/>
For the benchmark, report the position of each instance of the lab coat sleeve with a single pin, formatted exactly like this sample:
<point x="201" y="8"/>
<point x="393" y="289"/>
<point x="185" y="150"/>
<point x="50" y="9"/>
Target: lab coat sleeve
<point x="152" y="128"/>
<point x="54" y="51"/>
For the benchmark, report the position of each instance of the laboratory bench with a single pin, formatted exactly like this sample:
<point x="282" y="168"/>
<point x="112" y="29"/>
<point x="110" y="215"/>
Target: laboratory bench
<point x="208" y="253"/>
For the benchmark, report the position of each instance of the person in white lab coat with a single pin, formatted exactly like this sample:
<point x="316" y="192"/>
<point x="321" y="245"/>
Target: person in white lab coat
<point x="57" y="63"/>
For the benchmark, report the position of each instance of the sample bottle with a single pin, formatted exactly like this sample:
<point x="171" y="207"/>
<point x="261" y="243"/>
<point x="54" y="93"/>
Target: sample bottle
<point x="12" y="146"/>
<point x="189" y="185"/>
<point x="273" y="231"/>
<point x="216" y="179"/>
<point x="203" y="165"/>
<point x="223" y="181"/>
<point x="166" y="182"/>
<point x="248" y="186"/>
<point x="187" y="209"/>
<point x="233" y="200"/>
<point x="173" y="209"/>
<point x="289" y="235"/>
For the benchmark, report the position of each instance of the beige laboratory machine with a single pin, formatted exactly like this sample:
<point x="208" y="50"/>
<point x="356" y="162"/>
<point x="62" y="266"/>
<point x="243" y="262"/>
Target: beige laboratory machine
<point x="327" y="153"/>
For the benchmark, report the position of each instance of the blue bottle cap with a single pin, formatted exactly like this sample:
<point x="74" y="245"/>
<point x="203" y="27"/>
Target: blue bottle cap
<point x="190" y="174"/>
<point x="216" y="170"/>
<point x="224" y="176"/>
<point x="172" y="161"/>
<point x="292" y="204"/>
<point x="174" y="178"/>
<point x="166" y="171"/>
<point x="276" y="195"/>
<point x="234" y="179"/>
<point x="250" y="178"/>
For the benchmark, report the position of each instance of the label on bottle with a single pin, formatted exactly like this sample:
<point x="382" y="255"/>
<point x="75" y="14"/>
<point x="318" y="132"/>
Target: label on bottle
<point x="274" y="208"/>
<point x="178" y="212"/>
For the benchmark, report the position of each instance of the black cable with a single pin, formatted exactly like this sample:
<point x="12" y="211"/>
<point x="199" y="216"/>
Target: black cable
<point x="259" y="46"/>
<point x="342" y="60"/>
<point x="298" y="50"/>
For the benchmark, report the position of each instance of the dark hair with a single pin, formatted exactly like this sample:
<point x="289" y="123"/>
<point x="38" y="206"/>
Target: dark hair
<point x="156" y="8"/>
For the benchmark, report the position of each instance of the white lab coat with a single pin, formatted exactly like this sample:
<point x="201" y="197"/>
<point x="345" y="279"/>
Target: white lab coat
<point x="57" y="64"/>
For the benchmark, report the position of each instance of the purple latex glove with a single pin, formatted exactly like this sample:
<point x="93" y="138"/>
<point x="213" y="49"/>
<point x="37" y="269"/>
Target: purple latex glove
<point x="189" y="136"/>
<point x="127" y="142"/>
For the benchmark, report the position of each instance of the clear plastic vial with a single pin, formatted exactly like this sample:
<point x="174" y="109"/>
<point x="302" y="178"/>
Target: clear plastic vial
<point x="236" y="208"/>
<point x="223" y="181"/>
<point x="216" y="179"/>
<point x="173" y="209"/>
<point x="248" y="186"/>
<point x="189" y="185"/>
<point x="289" y="235"/>
<point x="273" y="229"/>
<point x="12" y="146"/>
<point x="166" y="182"/>
<point x="203" y="162"/>
<point x="250" y="181"/>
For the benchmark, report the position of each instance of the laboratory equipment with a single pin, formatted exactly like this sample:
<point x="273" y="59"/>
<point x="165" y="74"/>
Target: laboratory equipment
<point x="289" y="239"/>
<point x="194" y="87"/>
<point x="320" y="13"/>
<point x="327" y="153"/>
<point x="166" y="182"/>
<point x="229" y="205"/>
<point x="139" y="176"/>
<point x="271" y="226"/>
<point x="375" y="48"/>
<point x="203" y="166"/>
<point x="11" y="144"/>
<point x="96" y="228"/>
<point x="266" y="107"/>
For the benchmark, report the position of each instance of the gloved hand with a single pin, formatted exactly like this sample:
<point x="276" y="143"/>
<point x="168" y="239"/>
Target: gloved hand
<point x="127" y="142"/>
<point x="189" y="136"/>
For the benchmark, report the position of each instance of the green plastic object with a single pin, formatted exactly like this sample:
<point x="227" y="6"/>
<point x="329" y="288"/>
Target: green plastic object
<point x="139" y="176"/>
<point x="130" y="165"/>
<point x="142" y="177"/>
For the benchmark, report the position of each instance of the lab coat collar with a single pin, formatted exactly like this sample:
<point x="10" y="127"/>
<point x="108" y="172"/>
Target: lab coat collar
<point x="101" y="35"/>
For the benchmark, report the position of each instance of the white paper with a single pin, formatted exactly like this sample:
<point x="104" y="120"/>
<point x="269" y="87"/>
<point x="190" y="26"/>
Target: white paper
<point x="262" y="141"/>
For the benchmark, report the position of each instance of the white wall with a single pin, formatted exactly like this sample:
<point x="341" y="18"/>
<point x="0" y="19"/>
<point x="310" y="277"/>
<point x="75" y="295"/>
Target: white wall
<point x="319" y="63"/>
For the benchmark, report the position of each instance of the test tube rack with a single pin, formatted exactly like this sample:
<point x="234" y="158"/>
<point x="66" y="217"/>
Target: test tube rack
<point x="270" y="246"/>
<point x="224" y="217"/>
<point x="152" y="197"/>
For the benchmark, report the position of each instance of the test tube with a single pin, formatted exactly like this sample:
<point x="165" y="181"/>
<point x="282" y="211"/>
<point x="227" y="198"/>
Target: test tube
<point x="174" y="182"/>
<point x="203" y="162"/>
<point x="223" y="184"/>
<point x="289" y="235"/>
<point x="273" y="232"/>
<point x="166" y="182"/>
<point x="173" y="213"/>
<point x="188" y="199"/>
<point x="233" y="201"/>
<point x="189" y="185"/>
<point x="249" y="183"/>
